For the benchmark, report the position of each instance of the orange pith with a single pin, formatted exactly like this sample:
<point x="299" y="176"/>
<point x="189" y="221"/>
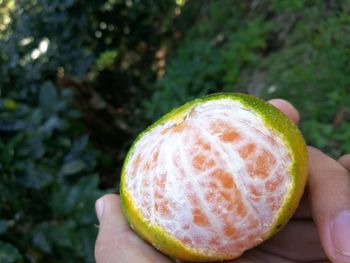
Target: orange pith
<point x="214" y="182"/>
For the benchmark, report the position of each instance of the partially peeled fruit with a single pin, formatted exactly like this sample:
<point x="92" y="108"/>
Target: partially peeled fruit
<point x="213" y="178"/>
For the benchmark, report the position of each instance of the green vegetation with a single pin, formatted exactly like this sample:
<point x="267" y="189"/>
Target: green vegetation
<point x="80" y="79"/>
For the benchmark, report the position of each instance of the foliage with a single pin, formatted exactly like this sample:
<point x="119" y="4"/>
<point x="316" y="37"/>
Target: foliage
<point x="291" y="49"/>
<point x="48" y="181"/>
<point x="311" y="70"/>
<point x="211" y="56"/>
<point x="6" y="6"/>
<point x="50" y="172"/>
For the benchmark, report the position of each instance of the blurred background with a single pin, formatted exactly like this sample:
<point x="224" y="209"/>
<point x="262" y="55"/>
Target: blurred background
<point x="80" y="79"/>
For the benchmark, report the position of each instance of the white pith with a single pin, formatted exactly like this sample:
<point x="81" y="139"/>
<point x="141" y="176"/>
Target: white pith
<point x="176" y="151"/>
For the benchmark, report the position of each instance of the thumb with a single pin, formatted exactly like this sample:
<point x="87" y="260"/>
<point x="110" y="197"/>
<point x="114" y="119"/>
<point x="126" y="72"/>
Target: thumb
<point x="112" y="229"/>
<point x="115" y="241"/>
<point x="109" y="214"/>
<point x="329" y="192"/>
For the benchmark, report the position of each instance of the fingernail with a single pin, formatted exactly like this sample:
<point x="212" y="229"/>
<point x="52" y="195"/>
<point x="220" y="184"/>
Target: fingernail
<point x="340" y="231"/>
<point x="99" y="207"/>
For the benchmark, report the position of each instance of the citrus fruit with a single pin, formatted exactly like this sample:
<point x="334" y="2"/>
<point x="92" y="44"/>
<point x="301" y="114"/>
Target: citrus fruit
<point x="214" y="177"/>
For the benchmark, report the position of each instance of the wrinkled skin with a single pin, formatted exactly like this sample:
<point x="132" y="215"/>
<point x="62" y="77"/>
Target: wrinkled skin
<point x="306" y="238"/>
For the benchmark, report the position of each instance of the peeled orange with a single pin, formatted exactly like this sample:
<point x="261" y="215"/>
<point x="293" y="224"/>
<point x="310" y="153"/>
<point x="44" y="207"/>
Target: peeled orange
<point x="214" y="177"/>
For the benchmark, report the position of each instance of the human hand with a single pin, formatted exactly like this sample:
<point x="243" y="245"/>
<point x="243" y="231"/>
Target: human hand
<point x="318" y="232"/>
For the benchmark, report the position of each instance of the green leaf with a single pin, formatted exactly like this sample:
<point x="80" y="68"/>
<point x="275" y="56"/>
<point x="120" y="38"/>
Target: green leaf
<point x="10" y="104"/>
<point x="48" y="97"/>
<point x="61" y="234"/>
<point x="87" y="236"/>
<point x="73" y="167"/>
<point x="3" y="227"/>
<point x="41" y="237"/>
<point x="8" y="253"/>
<point x="106" y="59"/>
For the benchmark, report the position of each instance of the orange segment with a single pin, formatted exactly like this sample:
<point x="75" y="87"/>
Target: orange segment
<point x="164" y="210"/>
<point x="223" y="177"/>
<point x="193" y="198"/>
<point x="136" y="165"/>
<point x="230" y="135"/>
<point x="240" y="209"/>
<point x="214" y="241"/>
<point x="272" y="184"/>
<point x="147" y="166"/>
<point x="165" y="131"/>
<point x="199" y="218"/>
<point x="247" y="150"/>
<point x="155" y="155"/>
<point x="255" y="192"/>
<point x="203" y="144"/>
<point x="201" y="162"/>
<point x="261" y="165"/>
<point x="230" y="231"/>
<point x="180" y="127"/>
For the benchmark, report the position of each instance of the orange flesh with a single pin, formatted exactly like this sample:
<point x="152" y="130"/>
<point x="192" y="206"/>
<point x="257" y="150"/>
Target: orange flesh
<point x="213" y="184"/>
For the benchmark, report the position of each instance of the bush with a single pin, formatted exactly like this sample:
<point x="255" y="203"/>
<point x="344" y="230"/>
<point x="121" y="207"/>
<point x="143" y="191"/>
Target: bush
<point x="48" y="181"/>
<point x="62" y="63"/>
<point x="311" y="70"/>
<point x="289" y="49"/>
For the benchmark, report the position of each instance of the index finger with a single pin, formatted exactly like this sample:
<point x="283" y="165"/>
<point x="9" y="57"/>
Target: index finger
<point x="287" y="108"/>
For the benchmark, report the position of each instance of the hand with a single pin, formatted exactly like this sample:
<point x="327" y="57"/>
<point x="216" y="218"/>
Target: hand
<point x="318" y="232"/>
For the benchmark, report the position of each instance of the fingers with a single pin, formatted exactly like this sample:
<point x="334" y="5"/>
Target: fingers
<point x="287" y="108"/>
<point x="115" y="241"/>
<point x="329" y="193"/>
<point x="298" y="241"/>
<point x="345" y="161"/>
